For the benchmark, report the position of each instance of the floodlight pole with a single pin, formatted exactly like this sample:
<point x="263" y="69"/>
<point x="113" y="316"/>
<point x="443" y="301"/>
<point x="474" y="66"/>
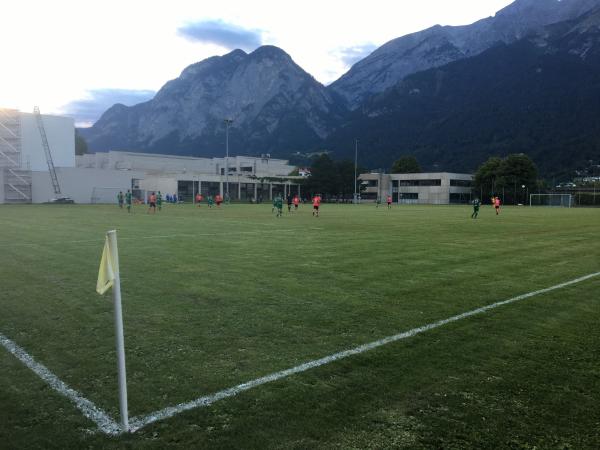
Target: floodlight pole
<point x="227" y="123"/>
<point x="355" y="170"/>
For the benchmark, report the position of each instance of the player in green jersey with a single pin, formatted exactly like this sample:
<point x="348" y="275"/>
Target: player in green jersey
<point x="128" y="200"/>
<point x="476" y="205"/>
<point x="159" y="200"/>
<point x="120" y="199"/>
<point x="278" y="204"/>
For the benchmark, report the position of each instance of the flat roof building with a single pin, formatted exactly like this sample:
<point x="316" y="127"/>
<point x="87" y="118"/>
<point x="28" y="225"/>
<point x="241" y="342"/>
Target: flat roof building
<point x="438" y="188"/>
<point x="248" y="179"/>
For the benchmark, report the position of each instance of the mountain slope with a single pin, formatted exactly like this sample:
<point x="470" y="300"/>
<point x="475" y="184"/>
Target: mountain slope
<point x="437" y="46"/>
<point x="265" y="92"/>
<point x="539" y="95"/>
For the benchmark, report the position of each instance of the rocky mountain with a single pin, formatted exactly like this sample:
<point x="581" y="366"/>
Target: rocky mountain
<point x="440" y="45"/>
<point x="274" y="105"/>
<point x="539" y="95"/>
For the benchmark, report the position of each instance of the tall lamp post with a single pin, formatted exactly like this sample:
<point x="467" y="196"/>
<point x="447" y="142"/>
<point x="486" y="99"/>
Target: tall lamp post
<point x="227" y="123"/>
<point x="355" y="170"/>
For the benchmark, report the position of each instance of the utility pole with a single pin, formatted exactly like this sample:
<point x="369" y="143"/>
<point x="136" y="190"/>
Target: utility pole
<point x="227" y="123"/>
<point x="355" y="170"/>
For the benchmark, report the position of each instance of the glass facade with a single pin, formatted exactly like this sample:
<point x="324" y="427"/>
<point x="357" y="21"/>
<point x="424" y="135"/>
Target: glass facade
<point x="461" y="183"/>
<point x="408" y="183"/>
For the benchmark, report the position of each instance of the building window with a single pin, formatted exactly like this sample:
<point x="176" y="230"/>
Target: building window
<point x="409" y="196"/>
<point x="420" y="183"/>
<point x="460" y="198"/>
<point x="246" y="169"/>
<point x="394" y="183"/>
<point x="461" y="183"/>
<point x="372" y="183"/>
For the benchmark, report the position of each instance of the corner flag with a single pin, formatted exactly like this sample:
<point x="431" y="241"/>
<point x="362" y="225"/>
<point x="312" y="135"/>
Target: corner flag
<point x="106" y="274"/>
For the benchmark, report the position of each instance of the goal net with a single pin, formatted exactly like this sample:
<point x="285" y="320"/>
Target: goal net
<point x="105" y="194"/>
<point x="559" y="200"/>
<point x="109" y="195"/>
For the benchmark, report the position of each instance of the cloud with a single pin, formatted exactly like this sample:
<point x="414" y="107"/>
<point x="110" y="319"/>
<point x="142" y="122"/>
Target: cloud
<point x="223" y="34"/>
<point x="87" y="110"/>
<point x="351" y="55"/>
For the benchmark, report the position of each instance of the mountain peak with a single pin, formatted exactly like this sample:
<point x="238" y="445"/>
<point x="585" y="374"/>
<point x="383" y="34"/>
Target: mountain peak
<point x="269" y="51"/>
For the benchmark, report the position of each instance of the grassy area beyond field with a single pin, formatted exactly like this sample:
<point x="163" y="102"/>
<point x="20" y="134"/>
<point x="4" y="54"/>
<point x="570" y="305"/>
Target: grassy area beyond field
<point x="214" y="298"/>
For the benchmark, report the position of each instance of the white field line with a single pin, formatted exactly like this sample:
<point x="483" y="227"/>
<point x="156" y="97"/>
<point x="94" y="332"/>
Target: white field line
<point x="139" y="422"/>
<point x="108" y="426"/>
<point x="88" y="408"/>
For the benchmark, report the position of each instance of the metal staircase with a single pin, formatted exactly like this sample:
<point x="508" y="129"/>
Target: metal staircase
<point x="17" y="181"/>
<point x="51" y="169"/>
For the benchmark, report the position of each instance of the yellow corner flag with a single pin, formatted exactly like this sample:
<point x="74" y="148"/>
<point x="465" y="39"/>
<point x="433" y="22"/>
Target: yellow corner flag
<point x="106" y="274"/>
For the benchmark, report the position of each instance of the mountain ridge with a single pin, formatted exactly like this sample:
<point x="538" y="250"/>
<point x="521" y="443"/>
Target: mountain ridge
<point x="440" y="45"/>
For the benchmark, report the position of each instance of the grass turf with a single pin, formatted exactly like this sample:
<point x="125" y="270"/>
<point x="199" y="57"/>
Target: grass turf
<point x="213" y="298"/>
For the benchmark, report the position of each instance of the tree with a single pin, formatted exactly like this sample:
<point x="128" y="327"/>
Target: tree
<point x="518" y="169"/>
<point x="331" y="178"/>
<point x="486" y="177"/>
<point x="506" y="176"/>
<point x="81" y="147"/>
<point x="324" y="178"/>
<point x="406" y="164"/>
<point x="345" y="170"/>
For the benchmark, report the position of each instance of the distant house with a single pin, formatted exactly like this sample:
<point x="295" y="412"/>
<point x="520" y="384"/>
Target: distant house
<point x="304" y="172"/>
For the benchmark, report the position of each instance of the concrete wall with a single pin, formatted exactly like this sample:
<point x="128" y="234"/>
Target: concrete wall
<point x="79" y="183"/>
<point x="60" y="132"/>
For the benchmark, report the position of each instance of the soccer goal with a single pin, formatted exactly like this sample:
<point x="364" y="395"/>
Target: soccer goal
<point x="559" y="200"/>
<point x="105" y="194"/>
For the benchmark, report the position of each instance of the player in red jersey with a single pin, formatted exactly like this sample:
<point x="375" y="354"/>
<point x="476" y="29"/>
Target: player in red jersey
<point x="152" y="203"/>
<point x="316" y="204"/>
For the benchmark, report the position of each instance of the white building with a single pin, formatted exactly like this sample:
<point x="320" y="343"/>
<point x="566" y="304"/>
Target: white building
<point x="440" y="188"/>
<point x="248" y="179"/>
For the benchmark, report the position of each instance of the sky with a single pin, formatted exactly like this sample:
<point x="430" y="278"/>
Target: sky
<point x="78" y="58"/>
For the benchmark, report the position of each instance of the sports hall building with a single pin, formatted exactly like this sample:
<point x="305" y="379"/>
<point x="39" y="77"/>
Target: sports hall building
<point x="439" y="188"/>
<point x="38" y="164"/>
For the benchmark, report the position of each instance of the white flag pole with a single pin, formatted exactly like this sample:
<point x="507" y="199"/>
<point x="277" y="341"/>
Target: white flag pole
<point x="116" y="289"/>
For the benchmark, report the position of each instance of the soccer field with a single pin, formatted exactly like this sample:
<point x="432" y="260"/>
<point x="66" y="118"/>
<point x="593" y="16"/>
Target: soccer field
<point x="215" y="298"/>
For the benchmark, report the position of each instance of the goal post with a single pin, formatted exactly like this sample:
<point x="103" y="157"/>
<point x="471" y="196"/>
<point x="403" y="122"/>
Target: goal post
<point x="557" y="200"/>
<point x="101" y="194"/>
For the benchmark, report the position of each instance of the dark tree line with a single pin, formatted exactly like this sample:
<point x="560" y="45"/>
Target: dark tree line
<point x="511" y="178"/>
<point x="334" y="180"/>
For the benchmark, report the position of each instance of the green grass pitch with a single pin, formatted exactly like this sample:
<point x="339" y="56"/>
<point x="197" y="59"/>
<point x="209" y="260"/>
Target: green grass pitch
<point x="214" y="298"/>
